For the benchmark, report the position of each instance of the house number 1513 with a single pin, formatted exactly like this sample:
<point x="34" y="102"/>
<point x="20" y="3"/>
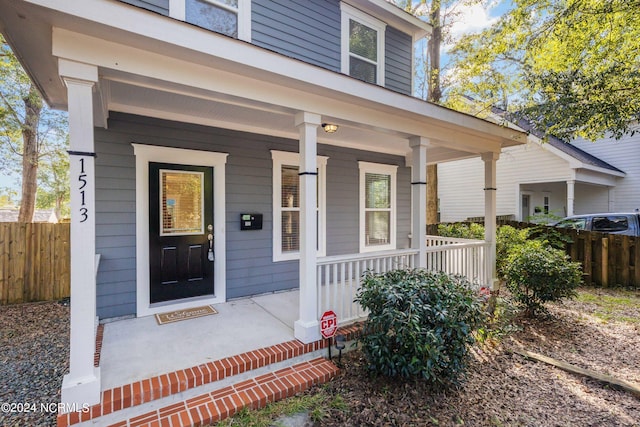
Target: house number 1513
<point x="82" y="178"/>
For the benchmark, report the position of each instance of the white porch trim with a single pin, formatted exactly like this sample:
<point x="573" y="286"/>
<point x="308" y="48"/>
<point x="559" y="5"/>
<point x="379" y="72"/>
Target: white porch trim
<point x="490" y="182"/>
<point x="81" y="386"/>
<point x="150" y="153"/>
<point x="419" y="197"/>
<point x="571" y="186"/>
<point x="306" y="328"/>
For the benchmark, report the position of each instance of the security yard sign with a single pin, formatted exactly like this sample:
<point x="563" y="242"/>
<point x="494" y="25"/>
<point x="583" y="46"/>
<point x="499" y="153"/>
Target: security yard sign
<point x="328" y="324"/>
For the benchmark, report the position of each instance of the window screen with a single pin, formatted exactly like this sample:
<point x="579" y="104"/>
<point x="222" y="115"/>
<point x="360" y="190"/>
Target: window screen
<point x="363" y="52"/>
<point x="290" y="209"/>
<point x="377" y="209"/>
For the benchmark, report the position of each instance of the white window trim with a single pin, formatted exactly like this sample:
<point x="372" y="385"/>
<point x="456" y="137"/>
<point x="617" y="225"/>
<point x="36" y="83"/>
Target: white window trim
<point x="285" y="158"/>
<point x="391" y="170"/>
<point x="177" y="10"/>
<point x="349" y="12"/>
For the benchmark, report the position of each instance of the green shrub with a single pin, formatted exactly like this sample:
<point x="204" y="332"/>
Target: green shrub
<point x="536" y="273"/>
<point x="550" y="235"/>
<point x="462" y="230"/>
<point x="508" y="238"/>
<point x="419" y="323"/>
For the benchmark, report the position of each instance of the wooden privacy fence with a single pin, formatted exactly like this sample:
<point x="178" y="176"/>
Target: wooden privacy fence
<point x="34" y="262"/>
<point x="606" y="259"/>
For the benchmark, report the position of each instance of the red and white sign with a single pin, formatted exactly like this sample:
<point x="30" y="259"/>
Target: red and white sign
<point x="328" y="324"/>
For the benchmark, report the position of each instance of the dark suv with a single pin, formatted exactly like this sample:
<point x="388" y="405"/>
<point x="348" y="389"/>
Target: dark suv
<point x="616" y="223"/>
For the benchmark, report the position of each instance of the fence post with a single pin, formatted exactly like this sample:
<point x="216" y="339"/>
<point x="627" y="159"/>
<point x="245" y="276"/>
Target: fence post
<point x="625" y="261"/>
<point x="604" y="262"/>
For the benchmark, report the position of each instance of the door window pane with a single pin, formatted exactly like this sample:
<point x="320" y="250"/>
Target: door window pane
<point x="181" y="202"/>
<point x="222" y="19"/>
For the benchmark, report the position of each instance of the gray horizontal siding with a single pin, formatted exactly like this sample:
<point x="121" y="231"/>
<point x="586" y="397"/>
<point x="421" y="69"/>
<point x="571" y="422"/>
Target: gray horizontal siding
<point x="308" y="30"/>
<point x="398" y="64"/>
<point x="115" y="225"/>
<point x="158" y="6"/>
<point x="250" y="269"/>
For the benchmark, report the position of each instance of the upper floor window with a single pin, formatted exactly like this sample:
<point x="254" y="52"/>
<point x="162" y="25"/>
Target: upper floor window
<point x="229" y="17"/>
<point x="362" y="45"/>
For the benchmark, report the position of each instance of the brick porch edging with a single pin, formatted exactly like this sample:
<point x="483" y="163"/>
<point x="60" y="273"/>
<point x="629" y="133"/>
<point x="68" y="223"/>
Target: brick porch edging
<point x="226" y="402"/>
<point x="164" y="385"/>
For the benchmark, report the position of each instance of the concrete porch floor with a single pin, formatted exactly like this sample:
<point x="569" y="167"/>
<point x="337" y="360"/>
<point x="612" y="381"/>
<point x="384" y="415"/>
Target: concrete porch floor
<point x="135" y="349"/>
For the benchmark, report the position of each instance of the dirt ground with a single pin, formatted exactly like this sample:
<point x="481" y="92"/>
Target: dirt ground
<point x="506" y="389"/>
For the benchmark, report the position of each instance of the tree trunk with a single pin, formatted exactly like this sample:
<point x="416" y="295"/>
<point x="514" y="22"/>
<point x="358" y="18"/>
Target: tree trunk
<point x="433" y="95"/>
<point x="33" y="107"/>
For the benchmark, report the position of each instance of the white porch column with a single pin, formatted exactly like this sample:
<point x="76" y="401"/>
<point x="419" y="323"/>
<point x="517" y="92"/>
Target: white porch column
<point x="82" y="384"/>
<point x="490" y="160"/>
<point x="419" y="197"/>
<point x="612" y="199"/>
<point x="571" y="187"/>
<point x="306" y="328"/>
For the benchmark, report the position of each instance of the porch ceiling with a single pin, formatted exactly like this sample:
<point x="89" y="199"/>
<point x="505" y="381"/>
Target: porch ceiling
<point x="152" y="99"/>
<point x="201" y="77"/>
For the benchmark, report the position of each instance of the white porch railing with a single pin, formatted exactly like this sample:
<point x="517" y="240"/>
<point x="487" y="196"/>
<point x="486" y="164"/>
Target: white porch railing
<point x="464" y="257"/>
<point x="338" y="277"/>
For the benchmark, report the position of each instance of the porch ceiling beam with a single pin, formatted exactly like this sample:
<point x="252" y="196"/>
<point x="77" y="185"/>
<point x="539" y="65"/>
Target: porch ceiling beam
<point x="114" y="56"/>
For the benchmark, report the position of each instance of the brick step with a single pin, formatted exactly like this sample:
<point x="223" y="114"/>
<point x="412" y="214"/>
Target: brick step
<point x="254" y="393"/>
<point x="155" y="391"/>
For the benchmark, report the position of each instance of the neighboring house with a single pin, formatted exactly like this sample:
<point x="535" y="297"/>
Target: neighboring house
<point x="214" y="170"/>
<point x="39" y="215"/>
<point x="547" y="176"/>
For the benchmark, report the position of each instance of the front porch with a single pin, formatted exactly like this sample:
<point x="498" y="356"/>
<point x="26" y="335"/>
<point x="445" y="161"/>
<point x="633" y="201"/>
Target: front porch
<point x="150" y="372"/>
<point x="246" y="324"/>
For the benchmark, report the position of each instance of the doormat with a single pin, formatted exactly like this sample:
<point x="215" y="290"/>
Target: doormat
<point x="189" y="313"/>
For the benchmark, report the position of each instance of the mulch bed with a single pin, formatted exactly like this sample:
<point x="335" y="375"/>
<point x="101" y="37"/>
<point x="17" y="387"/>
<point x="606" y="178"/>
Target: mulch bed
<point x="506" y="389"/>
<point x="34" y="354"/>
<point x="500" y="389"/>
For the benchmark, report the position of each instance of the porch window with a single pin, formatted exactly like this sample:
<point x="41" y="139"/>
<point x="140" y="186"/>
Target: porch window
<point x="377" y="207"/>
<point x="362" y="45"/>
<point x="229" y="17"/>
<point x="286" y="205"/>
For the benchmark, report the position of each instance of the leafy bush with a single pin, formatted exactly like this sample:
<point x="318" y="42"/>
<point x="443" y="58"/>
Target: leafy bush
<point x="419" y="323"/>
<point x="536" y="273"/>
<point x="462" y="231"/>
<point x="508" y="238"/>
<point x="550" y="235"/>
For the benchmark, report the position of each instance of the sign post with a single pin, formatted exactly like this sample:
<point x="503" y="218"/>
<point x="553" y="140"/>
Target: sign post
<point x="328" y="327"/>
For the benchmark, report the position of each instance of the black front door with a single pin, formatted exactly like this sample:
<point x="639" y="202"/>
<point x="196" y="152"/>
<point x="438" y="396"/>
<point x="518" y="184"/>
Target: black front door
<point x="181" y="258"/>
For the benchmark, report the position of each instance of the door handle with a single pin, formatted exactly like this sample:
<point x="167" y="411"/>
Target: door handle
<point x="210" y="254"/>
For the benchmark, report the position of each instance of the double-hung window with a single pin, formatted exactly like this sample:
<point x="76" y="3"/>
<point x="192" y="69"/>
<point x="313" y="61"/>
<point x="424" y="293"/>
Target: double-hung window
<point x="286" y="205"/>
<point x="229" y="17"/>
<point x="377" y="206"/>
<point x="362" y="45"/>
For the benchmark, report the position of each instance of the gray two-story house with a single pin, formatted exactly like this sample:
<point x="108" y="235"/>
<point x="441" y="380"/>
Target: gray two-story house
<point x="227" y="148"/>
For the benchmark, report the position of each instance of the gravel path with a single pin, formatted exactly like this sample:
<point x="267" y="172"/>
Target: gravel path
<point x="34" y="354"/>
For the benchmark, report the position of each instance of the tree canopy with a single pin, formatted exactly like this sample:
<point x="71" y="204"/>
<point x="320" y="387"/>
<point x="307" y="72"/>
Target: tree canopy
<point x="30" y="132"/>
<point x="572" y="67"/>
